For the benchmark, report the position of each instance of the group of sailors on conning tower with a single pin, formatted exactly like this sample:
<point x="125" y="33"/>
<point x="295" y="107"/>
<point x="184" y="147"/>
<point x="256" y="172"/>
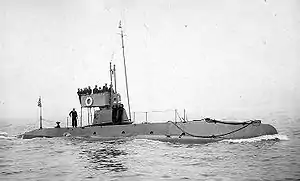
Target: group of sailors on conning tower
<point x="96" y="90"/>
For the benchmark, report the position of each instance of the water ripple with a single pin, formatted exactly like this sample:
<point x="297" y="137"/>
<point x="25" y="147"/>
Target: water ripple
<point x="274" y="157"/>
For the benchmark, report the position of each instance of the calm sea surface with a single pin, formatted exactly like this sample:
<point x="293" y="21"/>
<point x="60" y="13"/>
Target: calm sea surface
<point x="264" y="158"/>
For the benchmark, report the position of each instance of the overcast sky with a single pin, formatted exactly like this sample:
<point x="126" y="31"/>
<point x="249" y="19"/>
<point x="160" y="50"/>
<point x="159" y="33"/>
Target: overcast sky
<point x="213" y="58"/>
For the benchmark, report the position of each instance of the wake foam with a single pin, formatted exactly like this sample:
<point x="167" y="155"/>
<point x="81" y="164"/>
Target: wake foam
<point x="4" y="136"/>
<point x="274" y="137"/>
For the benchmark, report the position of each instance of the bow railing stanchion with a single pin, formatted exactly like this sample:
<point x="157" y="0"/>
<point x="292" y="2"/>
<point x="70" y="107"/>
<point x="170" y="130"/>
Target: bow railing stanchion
<point x="175" y="115"/>
<point x="146" y="113"/>
<point x="133" y="116"/>
<point x="67" y="121"/>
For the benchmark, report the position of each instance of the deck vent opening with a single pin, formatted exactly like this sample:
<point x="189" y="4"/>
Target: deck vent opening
<point x="123" y="132"/>
<point x="151" y="132"/>
<point x="94" y="133"/>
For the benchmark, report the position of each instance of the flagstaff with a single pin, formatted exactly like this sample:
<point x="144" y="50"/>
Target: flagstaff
<point x="40" y="106"/>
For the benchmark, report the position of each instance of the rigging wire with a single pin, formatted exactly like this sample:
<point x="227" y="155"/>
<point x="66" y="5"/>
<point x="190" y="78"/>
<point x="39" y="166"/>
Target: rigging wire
<point x="245" y="125"/>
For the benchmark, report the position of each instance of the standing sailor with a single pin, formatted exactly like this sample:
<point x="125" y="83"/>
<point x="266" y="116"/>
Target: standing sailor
<point x="95" y="90"/>
<point x="73" y="114"/>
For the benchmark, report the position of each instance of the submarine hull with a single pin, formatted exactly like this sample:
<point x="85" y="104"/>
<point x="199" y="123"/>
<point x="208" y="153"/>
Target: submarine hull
<point x="189" y="132"/>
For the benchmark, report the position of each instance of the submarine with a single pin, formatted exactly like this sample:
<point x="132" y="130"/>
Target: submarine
<point x="110" y="121"/>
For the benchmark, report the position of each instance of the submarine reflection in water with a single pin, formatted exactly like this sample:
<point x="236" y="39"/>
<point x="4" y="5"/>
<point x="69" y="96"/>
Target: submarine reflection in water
<point x="105" y="157"/>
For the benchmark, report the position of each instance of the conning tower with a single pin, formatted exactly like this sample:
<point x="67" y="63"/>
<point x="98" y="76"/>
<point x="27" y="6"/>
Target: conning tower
<point x="105" y="104"/>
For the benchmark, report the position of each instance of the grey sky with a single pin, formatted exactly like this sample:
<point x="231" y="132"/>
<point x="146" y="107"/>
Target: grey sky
<point x="214" y="58"/>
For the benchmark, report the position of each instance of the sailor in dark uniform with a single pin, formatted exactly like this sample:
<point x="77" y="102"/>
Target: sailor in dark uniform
<point x="95" y="90"/>
<point x="110" y="89"/>
<point x="114" y="113"/>
<point x="120" y="113"/>
<point x="85" y="91"/>
<point x="105" y="88"/>
<point x="73" y="114"/>
<point x="79" y="93"/>
<point x="89" y="90"/>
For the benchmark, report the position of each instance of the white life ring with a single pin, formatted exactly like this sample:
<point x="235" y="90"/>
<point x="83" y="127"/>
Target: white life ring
<point x="89" y="101"/>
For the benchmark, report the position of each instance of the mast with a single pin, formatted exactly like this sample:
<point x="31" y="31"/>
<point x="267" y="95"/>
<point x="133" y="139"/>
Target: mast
<point x="110" y="93"/>
<point x="111" y="72"/>
<point x="122" y="35"/>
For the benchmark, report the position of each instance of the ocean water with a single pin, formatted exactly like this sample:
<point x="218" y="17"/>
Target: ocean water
<point x="275" y="157"/>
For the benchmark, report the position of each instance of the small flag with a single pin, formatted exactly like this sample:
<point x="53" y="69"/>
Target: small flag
<point x="40" y="102"/>
<point x="120" y="24"/>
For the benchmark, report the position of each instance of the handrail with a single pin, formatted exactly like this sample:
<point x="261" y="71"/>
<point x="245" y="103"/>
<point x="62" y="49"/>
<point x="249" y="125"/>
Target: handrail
<point x="146" y="115"/>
